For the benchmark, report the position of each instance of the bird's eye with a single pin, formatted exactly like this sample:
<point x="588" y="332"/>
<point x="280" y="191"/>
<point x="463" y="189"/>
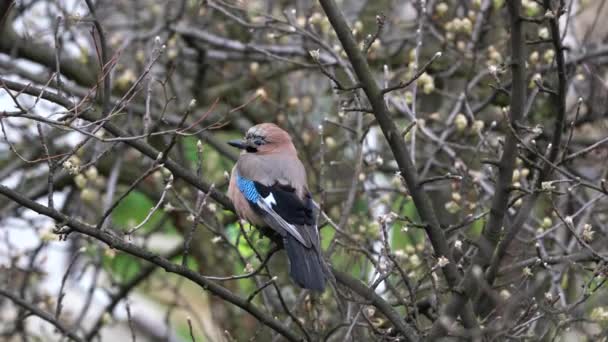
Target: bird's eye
<point x="258" y="142"/>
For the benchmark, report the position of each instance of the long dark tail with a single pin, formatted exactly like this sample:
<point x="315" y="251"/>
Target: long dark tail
<point x="306" y="266"/>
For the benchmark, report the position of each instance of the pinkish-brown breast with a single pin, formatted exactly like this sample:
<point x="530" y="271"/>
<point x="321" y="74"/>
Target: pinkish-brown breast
<point x="243" y="209"/>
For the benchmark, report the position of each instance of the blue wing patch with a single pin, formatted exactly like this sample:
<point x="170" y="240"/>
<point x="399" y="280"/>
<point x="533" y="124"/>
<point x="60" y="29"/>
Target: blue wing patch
<point x="291" y="207"/>
<point x="247" y="188"/>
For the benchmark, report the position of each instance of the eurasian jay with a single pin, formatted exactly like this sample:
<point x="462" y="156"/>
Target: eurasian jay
<point x="268" y="188"/>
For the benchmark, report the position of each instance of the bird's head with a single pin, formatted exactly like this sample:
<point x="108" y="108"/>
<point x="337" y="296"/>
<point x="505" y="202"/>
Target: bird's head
<point x="264" y="139"/>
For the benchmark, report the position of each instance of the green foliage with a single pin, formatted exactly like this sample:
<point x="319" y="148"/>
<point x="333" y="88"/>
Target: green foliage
<point x="130" y="212"/>
<point x="261" y="244"/>
<point x="183" y="331"/>
<point x="353" y="263"/>
<point x="476" y="228"/>
<point x="327" y="236"/>
<point x="399" y="238"/>
<point x="214" y="163"/>
<point x="122" y="266"/>
<point x="134" y="209"/>
<point x="191" y="262"/>
<point x="361" y="206"/>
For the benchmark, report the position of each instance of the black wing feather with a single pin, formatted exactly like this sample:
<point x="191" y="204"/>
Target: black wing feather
<point x="306" y="265"/>
<point x="288" y="205"/>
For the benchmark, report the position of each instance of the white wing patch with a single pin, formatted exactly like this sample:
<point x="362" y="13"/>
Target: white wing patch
<point x="270" y="199"/>
<point x="265" y="205"/>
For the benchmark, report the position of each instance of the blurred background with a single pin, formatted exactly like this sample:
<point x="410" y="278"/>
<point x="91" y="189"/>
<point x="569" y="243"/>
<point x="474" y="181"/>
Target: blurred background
<point x="183" y="77"/>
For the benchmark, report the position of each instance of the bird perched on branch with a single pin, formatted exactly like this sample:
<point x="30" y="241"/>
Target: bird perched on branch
<point x="268" y="188"/>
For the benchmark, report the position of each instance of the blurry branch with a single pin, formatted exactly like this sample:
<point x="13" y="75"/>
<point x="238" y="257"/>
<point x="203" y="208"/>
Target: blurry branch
<point x="273" y="51"/>
<point x="190" y="329"/>
<point x="36" y="190"/>
<point x="559" y="104"/>
<point x="315" y="55"/>
<point x="104" y="62"/>
<point x="257" y="270"/>
<point x="5" y="6"/>
<point x="235" y="45"/>
<point x="550" y="166"/>
<point x="272" y="281"/>
<point x="401" y="154"/>
<point x="369" y="294"/>
<point x="61" y="295"/>
<point x="584" y="150"/>
<point x="567" y="221"/>
<point x="241" y="21"/>
<point x="583" y="256"/>
<point x="593" y="53"/>
<point x="448" y="176"/>
<point x="50" y="164"/>
<point x="124" y="291"/>
<point x="115" y="242"/>
<point x="421" y="71"/>
<point x="139" y="109"/>
<point x="247" y="82"/>
<point x="491" y="233"/>
<point x="125" y="193"/>
<point x="12" y="44"/>
<point x="506" y="164"/>
<point x="380" y="20"/>
<point x="352" y="191"/>
<point x="40" y="313"/>
<point x="146" y="149"/>
<point x="482" y="18"/>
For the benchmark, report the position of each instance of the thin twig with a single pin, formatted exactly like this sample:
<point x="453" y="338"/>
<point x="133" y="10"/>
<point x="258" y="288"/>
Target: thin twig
<point x="41" y="314"/>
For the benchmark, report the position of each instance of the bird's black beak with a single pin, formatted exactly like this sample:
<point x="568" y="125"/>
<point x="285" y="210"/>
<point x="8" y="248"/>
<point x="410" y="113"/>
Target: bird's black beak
<point x="240" y="144"/>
